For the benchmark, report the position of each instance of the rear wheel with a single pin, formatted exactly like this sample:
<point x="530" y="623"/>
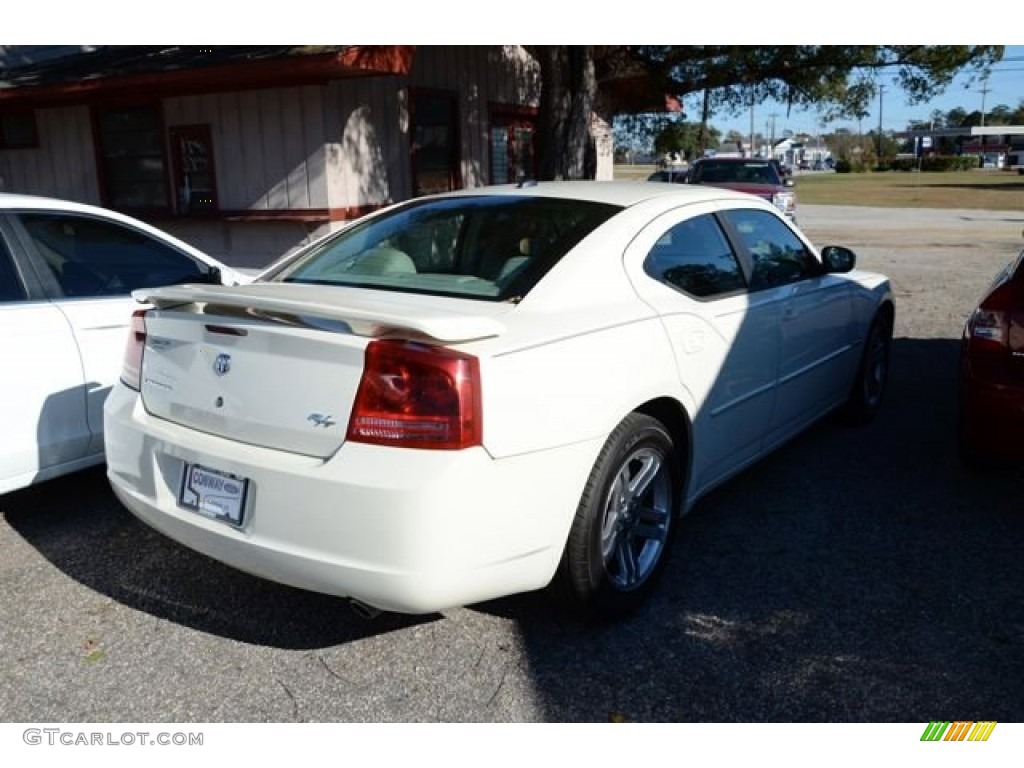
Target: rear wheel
<point x="869" y="386"/>
<point x="620" y="536"/>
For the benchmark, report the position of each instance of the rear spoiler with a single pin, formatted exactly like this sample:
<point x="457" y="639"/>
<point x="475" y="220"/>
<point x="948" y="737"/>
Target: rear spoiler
<point x="376" y="318"/>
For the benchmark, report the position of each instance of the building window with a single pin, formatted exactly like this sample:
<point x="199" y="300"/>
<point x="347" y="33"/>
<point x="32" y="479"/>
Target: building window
<point x="133" y="168"/>
<point x="195" y="184"/>
<point x="435" y="146"/>
<point x="18" y="131"/>
<point x="512" y="145"/>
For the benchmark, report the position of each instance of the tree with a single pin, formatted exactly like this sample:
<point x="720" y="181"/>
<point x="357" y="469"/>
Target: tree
<point x="955" y="117"/>
<point x="661" y="132"/>
<point x="567" y="97"/>
<point x="998" y="115"/>
<point x="682" y="137"/>
<point x="839" y="81"/>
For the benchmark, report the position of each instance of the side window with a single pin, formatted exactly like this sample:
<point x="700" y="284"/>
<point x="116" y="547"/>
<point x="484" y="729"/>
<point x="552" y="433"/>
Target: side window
<point x="11" y="288"/>
<point x="89" y="258"/>
<point x="695" y="258"/>
<point x="779" y="256"/>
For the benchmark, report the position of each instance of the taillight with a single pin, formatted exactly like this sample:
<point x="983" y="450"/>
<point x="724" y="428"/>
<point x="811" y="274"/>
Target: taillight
<point x="992" y="331"/>
<point x="131" y="371"/>
<point x="417" y="396"/>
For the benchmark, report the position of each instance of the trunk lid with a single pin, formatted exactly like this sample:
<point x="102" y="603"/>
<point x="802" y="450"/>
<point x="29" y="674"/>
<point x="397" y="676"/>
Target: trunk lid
<point x="276" y="365"/>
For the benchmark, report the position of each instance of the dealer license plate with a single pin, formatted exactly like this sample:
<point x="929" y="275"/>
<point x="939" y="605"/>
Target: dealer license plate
<point x="213" y="493"/>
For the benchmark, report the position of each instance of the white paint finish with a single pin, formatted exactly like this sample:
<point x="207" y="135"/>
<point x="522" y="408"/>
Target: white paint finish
<point x="819" y="348"/>
<point x="368" y="312"/>
<point x="391" y="543"/>
<point x="420" y="530"/>
<point x="61" y="357"/>
<point x="259" y="400"/>
<point x="43" y="402"/>
<point x="100" y="328"/>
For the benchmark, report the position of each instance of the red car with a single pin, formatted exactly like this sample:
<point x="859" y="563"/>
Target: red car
<point x="755" y="176"/>
<point x="991" y="413"/>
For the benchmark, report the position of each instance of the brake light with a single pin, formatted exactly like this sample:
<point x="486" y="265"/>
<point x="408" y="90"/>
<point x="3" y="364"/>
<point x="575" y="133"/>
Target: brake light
<point x="992" y="330"/>
<point x="417" y="396"/>
<point x="131" y="371"/>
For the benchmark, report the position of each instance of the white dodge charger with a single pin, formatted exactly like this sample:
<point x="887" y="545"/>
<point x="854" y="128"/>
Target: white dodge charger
<point x="486" y="392"/>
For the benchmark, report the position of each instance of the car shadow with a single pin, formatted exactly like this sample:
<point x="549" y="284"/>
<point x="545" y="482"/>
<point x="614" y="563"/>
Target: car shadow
<point x="79" y="526"/>
<point x="857" y="574"/>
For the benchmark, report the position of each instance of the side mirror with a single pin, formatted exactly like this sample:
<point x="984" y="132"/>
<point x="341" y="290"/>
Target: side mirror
<point x="838" y="259"/>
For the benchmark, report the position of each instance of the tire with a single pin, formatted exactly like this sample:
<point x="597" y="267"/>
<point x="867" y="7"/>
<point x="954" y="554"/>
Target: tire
<point x="873" y="373"/>
<point x="620" y="536"/>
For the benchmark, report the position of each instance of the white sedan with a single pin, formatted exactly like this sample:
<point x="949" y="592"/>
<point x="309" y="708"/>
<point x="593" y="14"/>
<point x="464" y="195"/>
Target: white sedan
<point x="481" y="393"/>
<point x="66" y="275"/>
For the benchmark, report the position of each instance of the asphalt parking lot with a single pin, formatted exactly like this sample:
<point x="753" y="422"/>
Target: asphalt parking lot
<point x="856" y="575"/>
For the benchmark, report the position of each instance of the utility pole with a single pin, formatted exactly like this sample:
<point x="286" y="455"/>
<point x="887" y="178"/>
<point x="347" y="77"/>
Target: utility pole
<point x="881" y="90"/>
<point x="984" y="91"/>
<point x="751" y="124"/>
<point x="771" y="131"/>
<point x="702" y="137"/>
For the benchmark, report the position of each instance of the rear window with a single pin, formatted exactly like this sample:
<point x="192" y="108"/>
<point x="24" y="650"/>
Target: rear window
<point x="753" y="172"/>
<point x="494" y="248"/>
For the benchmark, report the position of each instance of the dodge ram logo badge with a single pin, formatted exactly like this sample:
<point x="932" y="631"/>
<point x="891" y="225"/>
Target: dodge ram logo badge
<point x="321" y="420"/>
<point x="222" y="364"/>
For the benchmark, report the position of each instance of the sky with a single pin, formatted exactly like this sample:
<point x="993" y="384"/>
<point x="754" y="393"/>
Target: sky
<point x="1004" y="86"/>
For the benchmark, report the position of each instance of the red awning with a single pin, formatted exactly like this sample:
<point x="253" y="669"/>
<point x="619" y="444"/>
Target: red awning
<point x="117" y="71"/>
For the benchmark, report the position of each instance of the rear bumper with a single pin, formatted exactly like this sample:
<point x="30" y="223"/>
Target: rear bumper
<point x="401" y="530"/>
<point x="991" y="419"/>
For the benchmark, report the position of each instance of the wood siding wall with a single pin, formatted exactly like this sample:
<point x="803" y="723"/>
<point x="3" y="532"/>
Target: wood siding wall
<point x="342" y="147"/>
<point x="480" y="76"/>
<point x="268" y="145"/>
<point x="64" y="163"/>
<point x="368" y="142"/>
<point x="368" y="119"/>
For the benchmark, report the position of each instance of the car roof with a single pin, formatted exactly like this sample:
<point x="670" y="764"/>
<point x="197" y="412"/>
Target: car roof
<point x="621" y="193"/>
<point x="17" y="201"/>
<point x="14" y="201"/>
<point x="764" y="160"/>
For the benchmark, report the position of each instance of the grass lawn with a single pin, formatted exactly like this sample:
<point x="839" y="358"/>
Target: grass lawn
<point x="989" y="190"/>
